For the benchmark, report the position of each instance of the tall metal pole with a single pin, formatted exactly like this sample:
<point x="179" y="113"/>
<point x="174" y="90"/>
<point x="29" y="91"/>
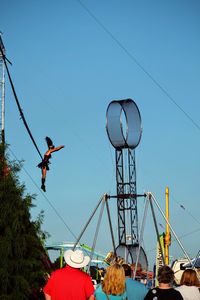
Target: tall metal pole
<point x="2" y="92"/>
<point x="89" y="220"/>
<point x="110" y="225"/>
<point x="3" y="107"/>
<point x="172" y="230"/>
<point x="167" y="232"/>
<point x="156" y="228"/>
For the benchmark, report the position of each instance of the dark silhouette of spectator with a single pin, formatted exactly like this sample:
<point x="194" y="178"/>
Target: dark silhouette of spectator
<point x="164" y="291"/>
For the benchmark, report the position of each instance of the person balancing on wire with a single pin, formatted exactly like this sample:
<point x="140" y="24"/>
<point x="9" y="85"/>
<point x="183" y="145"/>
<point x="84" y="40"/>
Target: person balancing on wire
<point x="44" y="165"/>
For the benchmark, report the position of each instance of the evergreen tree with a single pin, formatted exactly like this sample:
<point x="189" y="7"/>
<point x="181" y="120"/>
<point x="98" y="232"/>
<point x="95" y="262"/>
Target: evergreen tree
<point x="23" y="260"/>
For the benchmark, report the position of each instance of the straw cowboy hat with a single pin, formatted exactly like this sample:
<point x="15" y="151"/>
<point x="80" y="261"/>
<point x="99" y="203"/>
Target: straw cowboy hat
<point x="76" y="259"/>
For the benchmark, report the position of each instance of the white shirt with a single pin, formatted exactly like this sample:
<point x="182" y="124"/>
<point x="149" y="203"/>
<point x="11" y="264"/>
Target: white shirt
<point x="189" y="292"/>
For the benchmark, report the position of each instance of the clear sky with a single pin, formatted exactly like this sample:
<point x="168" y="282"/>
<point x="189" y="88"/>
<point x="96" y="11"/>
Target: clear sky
<point x="70" y="60"/>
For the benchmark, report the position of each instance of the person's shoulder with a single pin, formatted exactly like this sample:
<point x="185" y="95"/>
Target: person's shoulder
<point x="193" y="289"/>
<point x="136" y="283"/>
<point x="181" y="288"/>
<point x="154" y="290"/>
<point x="98" y="289"/>
<point x="82" y="273"/>
<point x="59" y="271"/>
<point x="133" y="281"/>
<point x="55" y="274"/>
<point x="176" y="294"/>
<point x="152" y="293"/>
<point x="176" y="290"/>
<point x="124" y="295"/>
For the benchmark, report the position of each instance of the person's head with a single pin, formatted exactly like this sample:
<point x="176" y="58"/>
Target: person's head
<point x="49" y="143"/>
<point x="114" y="280"/>
<point x="51" y="147"/>
<point x="189" y="278"/>
<point x="165" y="274"/>
<point x="127" y="270"/>
<point x="76" y="259"/>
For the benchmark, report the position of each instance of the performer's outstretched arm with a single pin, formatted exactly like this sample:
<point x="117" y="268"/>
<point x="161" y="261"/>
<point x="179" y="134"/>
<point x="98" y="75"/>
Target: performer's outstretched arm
<point x="56" y="148"/>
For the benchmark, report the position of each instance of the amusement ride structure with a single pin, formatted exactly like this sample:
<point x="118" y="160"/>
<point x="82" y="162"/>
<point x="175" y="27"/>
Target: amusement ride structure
<point x="124" y="132"/>
<point x="124" y="138"/>
<point x="123" y="126"/>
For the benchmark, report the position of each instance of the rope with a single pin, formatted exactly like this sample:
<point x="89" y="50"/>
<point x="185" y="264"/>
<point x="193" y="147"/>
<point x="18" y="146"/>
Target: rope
<point x="136" y="61"/>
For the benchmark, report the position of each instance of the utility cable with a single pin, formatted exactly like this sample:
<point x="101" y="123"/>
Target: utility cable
<point x="18" y="104"/>
<point x="132" y="57"/>
<point x="173" y="239"/>
<point x="185" y="209"/>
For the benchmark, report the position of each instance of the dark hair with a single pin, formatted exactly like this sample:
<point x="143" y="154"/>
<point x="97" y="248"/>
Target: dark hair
<point x="189" y="278"/>
<point x="127" y="270"/>
<point x="165" y="274"/>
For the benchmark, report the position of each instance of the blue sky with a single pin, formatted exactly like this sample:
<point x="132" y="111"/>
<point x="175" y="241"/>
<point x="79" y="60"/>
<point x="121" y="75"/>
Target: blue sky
<point x="70" y="60"/>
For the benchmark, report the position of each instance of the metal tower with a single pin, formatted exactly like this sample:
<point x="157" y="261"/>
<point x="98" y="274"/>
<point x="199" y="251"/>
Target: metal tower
<point x="126" y="195"/>
<point x="124" y="132"/>
<point x="2" y="93"/>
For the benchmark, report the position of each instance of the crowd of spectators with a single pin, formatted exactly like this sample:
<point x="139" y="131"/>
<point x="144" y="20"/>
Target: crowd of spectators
<point x="116" y="282"/>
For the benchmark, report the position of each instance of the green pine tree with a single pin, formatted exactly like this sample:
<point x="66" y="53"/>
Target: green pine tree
<point x="23" y="260"/>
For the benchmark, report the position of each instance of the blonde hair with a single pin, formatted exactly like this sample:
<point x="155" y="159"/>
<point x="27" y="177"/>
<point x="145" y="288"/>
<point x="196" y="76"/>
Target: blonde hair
<point x="189" y="278"/>
<point x="114" y="280"/>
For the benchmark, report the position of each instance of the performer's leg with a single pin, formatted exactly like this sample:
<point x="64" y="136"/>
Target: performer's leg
<point x="43" y="179"/>
<point x="43" y="185"/>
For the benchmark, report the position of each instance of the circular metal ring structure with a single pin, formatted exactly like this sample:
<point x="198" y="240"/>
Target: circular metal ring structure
<point x="130" y="252"/>
<point x="119" y="136"/>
